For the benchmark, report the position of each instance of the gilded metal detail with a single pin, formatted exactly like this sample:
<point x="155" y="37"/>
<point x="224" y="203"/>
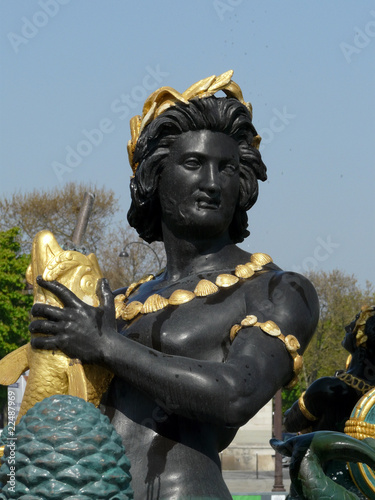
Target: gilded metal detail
<point x="226" y="280"/>
<point x="355" y="382"/>
<point x="233" y="332"/>
<point x="165" y="97"/>
<point x="270" y="327"/>
<point x="119" y="305"/>
<point x="360" y="324"/>
<point x="181" y="297"/>
<point x="205" y="288"/>
<point x="52" y="372"/>
<point x="244" y="271"/>
<point x="154" y="303"/>
<point x="305" y="412"/>
<point x="132" y="310"/>
<point x="249" y="321"/>
<point x="261" y="259"/>
<point x="361" y="426"/>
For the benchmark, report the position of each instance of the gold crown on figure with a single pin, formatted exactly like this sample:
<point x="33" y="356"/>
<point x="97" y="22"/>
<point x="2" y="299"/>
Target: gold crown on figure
<point x="359" y="328"/>
<point x="165" y="97"/>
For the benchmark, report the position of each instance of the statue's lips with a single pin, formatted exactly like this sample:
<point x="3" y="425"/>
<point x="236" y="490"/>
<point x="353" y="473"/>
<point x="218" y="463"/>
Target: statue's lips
<point x="208" y="203"/>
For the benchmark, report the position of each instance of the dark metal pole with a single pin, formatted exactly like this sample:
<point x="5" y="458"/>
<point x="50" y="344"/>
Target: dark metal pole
<point x="83" y="219"/>
<point x="277" y="426"/>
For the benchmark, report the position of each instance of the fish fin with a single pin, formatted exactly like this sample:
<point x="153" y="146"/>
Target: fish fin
<point x="13" y="365"/>
<point x="77" y="380"/>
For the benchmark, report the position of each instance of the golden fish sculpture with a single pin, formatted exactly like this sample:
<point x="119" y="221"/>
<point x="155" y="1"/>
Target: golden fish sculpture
<point x="51" y="371"/>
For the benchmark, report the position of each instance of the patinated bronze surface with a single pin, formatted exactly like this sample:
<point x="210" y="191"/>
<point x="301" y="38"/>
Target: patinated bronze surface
<point x="182" y="386"/>
<point x="344" y="403"/>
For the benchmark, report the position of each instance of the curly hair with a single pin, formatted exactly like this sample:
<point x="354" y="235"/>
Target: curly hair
<point x="226" y="115"/>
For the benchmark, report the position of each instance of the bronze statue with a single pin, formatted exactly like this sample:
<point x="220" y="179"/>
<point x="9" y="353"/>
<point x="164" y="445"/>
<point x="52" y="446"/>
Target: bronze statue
<point x="201" y="347"/>
<point x="344" y="403"/>
<point x="329" y="401"/>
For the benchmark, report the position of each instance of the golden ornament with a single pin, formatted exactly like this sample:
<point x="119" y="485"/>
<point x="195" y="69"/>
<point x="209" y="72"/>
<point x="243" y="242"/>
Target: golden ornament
<point x="205" y="288"/>
<point x="226" y="280"/>
<point x="154" y="303"/>
<point x="180" y="297"/>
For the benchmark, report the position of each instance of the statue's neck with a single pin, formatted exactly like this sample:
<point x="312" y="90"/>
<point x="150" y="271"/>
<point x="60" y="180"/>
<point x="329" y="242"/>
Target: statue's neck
<point x="187" y="257"/>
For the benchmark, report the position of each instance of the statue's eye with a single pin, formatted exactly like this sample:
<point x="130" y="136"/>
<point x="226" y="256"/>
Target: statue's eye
<point x="192" y="163"/>
<point x="229" y="168"/>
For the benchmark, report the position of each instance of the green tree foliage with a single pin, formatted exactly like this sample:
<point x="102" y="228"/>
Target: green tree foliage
<point x="15" y="302"/>
<point x="340" y="298"/>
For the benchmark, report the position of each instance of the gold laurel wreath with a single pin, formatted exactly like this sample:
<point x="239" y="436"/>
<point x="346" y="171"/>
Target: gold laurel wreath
<point x="165" y="97"/>
<point x="360" y="324"/>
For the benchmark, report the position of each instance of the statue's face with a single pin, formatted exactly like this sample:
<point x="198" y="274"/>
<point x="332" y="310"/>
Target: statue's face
<point x="199" y="185"/>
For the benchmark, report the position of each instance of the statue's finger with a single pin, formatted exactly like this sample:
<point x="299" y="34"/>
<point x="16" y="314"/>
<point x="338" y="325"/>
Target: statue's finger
<point x="67" y="297"/>
<point x="49" y="343"/>
<point x="45" y="327"/>
<point x="106" y="299"/>
<point x="49" y="312"/>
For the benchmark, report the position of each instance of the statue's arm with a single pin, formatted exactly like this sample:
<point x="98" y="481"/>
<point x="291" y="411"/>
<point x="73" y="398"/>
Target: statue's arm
<point x="226" y="393"/>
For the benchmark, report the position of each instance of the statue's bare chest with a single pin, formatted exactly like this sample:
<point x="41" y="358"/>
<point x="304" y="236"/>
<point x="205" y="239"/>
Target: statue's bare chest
<point x="199" y="328"/>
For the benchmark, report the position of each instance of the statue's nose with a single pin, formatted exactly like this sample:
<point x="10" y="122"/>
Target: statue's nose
<point x="210" y="182"/>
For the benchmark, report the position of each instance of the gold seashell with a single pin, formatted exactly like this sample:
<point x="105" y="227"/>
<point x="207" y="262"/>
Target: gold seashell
<point x="181" y="297"/>
<point x="154" y="303"/>
<point x="291" y="343"/>
<point x="254" y="266"/>
<point x="233" y="332"/>
<point x="244" y="271"/>
<point x="131" y="288"/>
<point x="204" y="288"/>
<point x="297" y="364"/>
<point x="119" y="305"/>
<point x="132" y="310"/>
<point x="261" y="259"/>
<point x="271" y="328"/>
<point x="249" y="321"/>
<point x="226" y="280"/>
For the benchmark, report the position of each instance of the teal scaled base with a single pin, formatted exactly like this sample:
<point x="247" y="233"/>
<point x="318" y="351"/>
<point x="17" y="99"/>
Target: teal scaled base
<point x="363" y="475"/>
<point x="64" y="448"/>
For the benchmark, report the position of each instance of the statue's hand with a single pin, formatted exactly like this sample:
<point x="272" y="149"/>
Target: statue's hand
<point x="79" y="330"/>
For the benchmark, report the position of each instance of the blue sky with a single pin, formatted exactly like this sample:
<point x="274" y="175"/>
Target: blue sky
<point x="74" y="72"/>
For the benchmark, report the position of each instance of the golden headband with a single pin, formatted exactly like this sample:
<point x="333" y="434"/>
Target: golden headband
<point x="165" y="97"/>
<point x="359" y="328"/>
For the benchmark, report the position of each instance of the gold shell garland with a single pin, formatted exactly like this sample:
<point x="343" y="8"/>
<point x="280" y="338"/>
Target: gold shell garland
<point x="271" y="328"/>
<point x="204" y="288"/>
<point x="226" y="280"/>
<point x="181" y="297"/>
<point x="154" y="303"/>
